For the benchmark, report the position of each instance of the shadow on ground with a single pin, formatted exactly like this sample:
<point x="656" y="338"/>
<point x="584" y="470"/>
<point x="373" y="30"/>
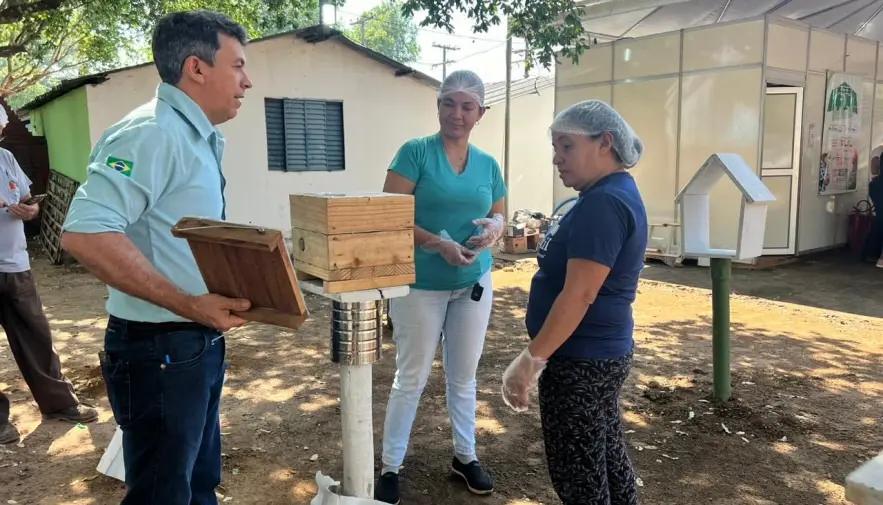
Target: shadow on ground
<point x="832" y="280"/>
<point x="806" y="410"/>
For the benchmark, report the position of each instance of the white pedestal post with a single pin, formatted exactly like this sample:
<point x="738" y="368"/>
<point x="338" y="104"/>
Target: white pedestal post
<point x="864" y="486"/>
<point x="358" y="430"/>
<point x="356" y="331"/>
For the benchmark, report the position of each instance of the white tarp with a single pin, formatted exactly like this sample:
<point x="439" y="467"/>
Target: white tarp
<point x="855" y="17"/>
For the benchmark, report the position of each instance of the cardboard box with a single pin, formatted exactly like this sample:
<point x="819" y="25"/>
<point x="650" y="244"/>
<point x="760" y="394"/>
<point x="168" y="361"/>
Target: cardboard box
<point x="515" y="245"/>
<point x="533" y="240"/>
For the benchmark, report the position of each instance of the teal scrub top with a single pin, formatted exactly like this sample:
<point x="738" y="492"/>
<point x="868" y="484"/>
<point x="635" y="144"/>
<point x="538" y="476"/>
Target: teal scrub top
<point x="445" y="200"/>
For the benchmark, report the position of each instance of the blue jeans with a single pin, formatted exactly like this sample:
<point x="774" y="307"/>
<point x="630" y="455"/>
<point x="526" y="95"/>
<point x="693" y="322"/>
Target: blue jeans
<point x="164" y="384"/>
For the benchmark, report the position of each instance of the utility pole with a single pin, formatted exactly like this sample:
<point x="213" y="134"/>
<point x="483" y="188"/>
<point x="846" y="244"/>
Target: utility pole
<point x="508" y="117"/>
<point x="361" y="22"/>
<point x="444" y="63"/>
<point x="524" y="60"/>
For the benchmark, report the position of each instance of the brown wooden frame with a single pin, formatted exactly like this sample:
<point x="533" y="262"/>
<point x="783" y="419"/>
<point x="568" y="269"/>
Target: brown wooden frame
<point x="245" y="261"/>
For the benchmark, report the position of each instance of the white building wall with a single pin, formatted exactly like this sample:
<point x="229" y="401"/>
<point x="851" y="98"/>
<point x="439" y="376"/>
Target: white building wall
<point x="691" y="93"/>
<point x="381" y="112"/>
<point x="530" y="169"/>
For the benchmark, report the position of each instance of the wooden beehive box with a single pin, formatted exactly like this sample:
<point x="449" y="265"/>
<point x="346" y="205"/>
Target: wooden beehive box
<point x="353" y="241"/>
<point x="245" y="261"/>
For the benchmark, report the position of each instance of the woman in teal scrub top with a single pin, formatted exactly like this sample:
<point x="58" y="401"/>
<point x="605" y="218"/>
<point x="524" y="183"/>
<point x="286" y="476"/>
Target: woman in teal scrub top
<point x="459" y="200"/>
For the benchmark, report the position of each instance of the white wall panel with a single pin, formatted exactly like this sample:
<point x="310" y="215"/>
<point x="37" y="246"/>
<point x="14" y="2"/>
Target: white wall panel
<point x="595" y="65"/>
<point x="651" y="108"/>
<point x="657" y="55"/>
<point x="720" y="113"/>
<point x="724" y="46"/>
<point x="787" y="46"/>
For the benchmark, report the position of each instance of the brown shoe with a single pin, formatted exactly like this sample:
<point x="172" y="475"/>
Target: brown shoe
<point x="78" y="414"/>
<point x="8" y="433"/>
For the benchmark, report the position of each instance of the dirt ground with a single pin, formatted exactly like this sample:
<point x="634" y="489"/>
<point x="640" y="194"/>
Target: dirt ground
<point x="808" y="381"/>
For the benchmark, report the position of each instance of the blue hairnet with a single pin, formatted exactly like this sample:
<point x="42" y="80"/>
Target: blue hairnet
<point x="594" y="117"/>
<point x="463" y="81"/>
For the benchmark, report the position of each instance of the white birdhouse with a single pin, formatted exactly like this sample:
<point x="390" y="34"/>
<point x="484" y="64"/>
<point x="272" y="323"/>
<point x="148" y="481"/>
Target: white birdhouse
<point x="695" y="206"/>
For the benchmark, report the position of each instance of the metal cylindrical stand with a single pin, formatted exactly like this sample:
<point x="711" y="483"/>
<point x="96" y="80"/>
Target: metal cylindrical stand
<point x="356" y="330"/>
<point x="720" y="327"/>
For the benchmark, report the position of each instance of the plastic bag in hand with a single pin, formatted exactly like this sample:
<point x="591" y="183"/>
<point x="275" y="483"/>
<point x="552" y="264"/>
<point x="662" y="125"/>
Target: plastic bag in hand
<point x="491" y="231"/>
<point x="519" y="378"/>
<point x="451" y="251"/>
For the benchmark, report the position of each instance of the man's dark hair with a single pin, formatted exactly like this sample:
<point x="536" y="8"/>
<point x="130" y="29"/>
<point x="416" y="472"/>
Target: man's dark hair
<point x="179" y="35"/>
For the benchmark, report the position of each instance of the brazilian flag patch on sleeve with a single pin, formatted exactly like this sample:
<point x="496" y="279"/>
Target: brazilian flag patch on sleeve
<point x="120" y="165"/>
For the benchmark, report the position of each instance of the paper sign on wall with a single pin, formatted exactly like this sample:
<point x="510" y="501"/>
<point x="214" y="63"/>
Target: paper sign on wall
<point x="841" y="134"/>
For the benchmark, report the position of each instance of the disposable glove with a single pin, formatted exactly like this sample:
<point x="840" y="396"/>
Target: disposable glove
<point x="519" y="378"/>
<point x="454" y="253"/>
<point x="491" y="231"/>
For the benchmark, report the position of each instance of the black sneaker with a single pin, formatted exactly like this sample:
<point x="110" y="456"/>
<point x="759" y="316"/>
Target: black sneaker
<point x="76" y="414"/>
<point x="8" y="433"/>
<point x="387" y="488"/>
<point x="477" y="479"/>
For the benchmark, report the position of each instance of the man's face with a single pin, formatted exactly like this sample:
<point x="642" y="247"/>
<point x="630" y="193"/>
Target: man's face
<point x="225" y="82"/>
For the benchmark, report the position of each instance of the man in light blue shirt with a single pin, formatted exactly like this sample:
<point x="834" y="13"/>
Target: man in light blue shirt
<point x="163" y="359"/>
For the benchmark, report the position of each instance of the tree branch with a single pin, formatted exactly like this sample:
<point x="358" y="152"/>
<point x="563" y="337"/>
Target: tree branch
<point x="11" y="50"/>
<point x="13" y="11"/>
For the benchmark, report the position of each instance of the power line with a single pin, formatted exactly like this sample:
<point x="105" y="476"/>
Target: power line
<point x="444" y="64"/>
<point x="427" y="30"/>
<point x="361" y="22"/>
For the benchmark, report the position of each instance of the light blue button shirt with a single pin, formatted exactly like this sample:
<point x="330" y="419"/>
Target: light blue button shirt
<point x="158" y="164"/>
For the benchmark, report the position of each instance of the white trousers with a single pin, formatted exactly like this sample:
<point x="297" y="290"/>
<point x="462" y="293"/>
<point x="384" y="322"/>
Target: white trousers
<point x="418" y="319"/>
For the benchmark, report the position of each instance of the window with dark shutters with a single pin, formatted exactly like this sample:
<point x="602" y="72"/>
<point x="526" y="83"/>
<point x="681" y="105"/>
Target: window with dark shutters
<point x="304" y="135"/>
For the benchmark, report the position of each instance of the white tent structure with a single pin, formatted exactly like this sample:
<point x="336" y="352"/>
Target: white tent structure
<point x="753" y="77"/>
<point x="616" y="19"/>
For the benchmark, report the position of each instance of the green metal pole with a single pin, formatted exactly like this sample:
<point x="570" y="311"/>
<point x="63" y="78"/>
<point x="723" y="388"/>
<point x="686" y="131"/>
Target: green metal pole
<point x="720" y="329"/>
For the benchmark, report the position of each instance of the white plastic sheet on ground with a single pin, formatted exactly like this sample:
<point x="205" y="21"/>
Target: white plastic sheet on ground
<point x="329" y="494"/>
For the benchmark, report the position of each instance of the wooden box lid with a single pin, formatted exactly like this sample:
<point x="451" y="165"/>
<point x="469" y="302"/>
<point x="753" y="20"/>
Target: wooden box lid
<point x="334" y="213"/>
<point x="245" y="261"/>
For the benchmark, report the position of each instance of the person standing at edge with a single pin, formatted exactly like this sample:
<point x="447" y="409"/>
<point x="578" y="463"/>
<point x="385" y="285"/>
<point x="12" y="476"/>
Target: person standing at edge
<point x="163" y="358"/>
<point x="459" y="200"/>
<point x="579" y="310"/>
<point x="21" y="310"/>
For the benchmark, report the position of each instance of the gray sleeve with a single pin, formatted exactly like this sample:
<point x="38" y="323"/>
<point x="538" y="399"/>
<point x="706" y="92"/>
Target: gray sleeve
<point x="21" y="178"/>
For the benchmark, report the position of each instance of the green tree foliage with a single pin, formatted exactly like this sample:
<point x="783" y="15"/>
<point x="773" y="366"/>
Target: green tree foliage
<point x="389" y="31"/>
<point x="44" y="40"/>
<point x="548" y="26"/>
<point x="57" y="40"/>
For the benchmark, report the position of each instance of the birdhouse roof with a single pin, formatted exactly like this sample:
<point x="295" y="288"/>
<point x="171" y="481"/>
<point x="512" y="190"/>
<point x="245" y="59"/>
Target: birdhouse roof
<point x="736" y="170"/>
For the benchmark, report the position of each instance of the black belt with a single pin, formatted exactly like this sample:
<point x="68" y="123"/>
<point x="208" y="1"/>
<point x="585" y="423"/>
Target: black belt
<point x="145" y="328"/>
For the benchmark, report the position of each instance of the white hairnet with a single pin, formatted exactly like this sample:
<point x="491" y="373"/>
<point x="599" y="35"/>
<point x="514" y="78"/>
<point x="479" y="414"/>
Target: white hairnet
<point x="463" y="81"/>
<point x="4" y="119"/>
<point x="594" y="117"/>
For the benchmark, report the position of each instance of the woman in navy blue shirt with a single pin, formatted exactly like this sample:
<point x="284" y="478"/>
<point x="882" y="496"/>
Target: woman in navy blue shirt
<point x="579" y="314"/>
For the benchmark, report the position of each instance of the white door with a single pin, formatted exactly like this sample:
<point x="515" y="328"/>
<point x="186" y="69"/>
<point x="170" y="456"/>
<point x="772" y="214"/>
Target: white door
<point x="780" y="167"/>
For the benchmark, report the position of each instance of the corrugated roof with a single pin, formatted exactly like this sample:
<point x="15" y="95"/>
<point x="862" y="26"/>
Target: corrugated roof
<point x="62" y="89"/>
<point x="312" y="34"/>
<point x="495" y="92"/>
<point x="863" y="18"/>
